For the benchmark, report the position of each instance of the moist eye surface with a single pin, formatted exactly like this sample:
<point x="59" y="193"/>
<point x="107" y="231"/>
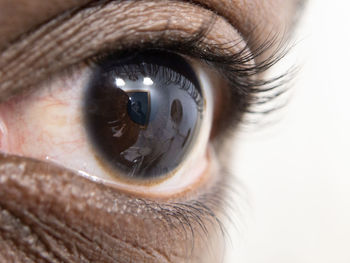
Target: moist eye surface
<point x="143" y="112"/>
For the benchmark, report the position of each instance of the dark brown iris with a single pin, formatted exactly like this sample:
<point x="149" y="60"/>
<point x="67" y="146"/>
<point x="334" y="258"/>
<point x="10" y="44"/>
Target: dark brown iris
<point x="142" y="112"/>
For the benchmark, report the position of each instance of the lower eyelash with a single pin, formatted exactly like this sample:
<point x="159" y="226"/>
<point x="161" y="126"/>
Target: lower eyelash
<point x="196" y="218"/>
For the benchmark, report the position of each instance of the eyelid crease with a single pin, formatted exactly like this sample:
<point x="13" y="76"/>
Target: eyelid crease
<point x="209" y="38"/>
<point x="68" y="40"/>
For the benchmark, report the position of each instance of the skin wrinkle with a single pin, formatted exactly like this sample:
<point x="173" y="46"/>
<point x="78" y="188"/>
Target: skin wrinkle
<point x="20" y="16"/>
<point x="272" y="14"/>
<point x="9" y="252"/>
<point x="49" y="214"/>
<point x="98" y="33"/>
<point x="265" y="17"/>
<point x="28" y="241"/>
<point x="116" y="226"/>
<point x="14" y="63"/>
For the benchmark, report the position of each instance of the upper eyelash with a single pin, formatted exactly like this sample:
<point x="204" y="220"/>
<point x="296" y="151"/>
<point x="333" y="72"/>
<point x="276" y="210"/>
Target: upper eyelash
<point x="193" y="218"/>
<point x="249" y="88"/>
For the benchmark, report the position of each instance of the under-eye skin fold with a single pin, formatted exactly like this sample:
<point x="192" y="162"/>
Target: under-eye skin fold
<point x="156" y="104"/>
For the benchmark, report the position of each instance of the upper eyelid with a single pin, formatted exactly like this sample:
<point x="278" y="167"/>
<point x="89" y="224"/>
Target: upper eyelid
<point x="59" y="45"/>
<point x="61" y="41"/>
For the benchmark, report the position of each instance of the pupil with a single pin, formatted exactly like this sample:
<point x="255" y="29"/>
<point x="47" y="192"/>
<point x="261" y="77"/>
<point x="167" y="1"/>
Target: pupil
<point x="142" y="113"/>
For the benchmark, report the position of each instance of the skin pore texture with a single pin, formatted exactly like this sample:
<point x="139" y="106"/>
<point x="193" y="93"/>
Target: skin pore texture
<point x="50" y="214"/>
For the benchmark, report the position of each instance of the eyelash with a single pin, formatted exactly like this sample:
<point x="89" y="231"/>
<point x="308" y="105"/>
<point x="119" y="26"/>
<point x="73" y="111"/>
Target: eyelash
<point x="246" y="85"/>
<point x="195" y="216"/>
<point x="249" y="89"/>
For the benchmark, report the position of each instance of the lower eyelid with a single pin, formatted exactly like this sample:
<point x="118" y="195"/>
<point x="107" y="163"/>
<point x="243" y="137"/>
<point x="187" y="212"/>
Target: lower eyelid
<point x="102" y="223"/>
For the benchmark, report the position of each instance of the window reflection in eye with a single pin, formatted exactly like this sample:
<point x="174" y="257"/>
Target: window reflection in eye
<point x="138" y="97"/>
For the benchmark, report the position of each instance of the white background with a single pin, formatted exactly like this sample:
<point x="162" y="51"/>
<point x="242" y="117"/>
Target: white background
<point x="296" y="174"/>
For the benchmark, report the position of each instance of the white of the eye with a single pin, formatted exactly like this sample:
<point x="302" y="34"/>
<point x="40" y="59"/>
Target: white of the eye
<point x="119" y="82"/>
<point x="147" y="81"/>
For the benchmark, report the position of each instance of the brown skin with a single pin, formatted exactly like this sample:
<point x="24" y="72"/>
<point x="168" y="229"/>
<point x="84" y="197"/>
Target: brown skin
<point x="48" y="214"/>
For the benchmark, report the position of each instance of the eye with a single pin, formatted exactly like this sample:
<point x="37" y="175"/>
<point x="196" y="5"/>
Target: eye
<point x="143" y="113"/>
<point x="139" y="120"/>
<point x="139" y="109"/>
